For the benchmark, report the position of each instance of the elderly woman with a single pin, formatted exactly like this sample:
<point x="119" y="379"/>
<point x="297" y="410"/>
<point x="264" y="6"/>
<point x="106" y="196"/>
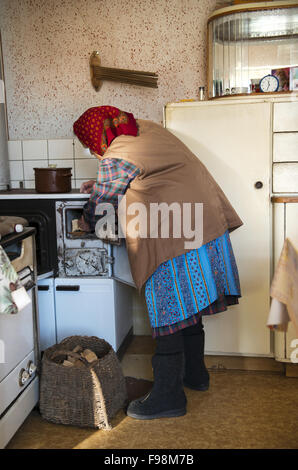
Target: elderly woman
<point x="150" y="165"/>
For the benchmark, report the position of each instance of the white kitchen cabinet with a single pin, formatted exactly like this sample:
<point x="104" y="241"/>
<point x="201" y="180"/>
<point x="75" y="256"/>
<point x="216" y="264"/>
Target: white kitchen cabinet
<point x="285" y="226"/>
<point x="233" y="138"/>
<point x="90" y="306"/>
<point x="94" y="307"/>
<point x="285" y="209"/>
<point x="241" y="142"/>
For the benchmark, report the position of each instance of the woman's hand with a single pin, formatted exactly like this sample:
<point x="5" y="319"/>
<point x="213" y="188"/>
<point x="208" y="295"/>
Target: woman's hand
<point x="86" y="187"/>
<point x="83" y="225"/>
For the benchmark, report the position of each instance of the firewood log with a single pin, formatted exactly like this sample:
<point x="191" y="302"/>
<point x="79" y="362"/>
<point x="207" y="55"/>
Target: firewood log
<point x="89" y="355"/>
<point x="67" y="363"/>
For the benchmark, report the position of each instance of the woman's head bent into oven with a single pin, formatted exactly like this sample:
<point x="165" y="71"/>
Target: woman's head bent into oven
<point x="96" y="129"/>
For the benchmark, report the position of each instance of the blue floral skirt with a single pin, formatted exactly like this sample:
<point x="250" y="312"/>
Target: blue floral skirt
<point x="203" y="281"/>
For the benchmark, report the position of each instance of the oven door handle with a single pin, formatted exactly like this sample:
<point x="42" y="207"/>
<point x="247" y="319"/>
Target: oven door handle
<point x="43" y="287"/>
<point x="68" y="288"/>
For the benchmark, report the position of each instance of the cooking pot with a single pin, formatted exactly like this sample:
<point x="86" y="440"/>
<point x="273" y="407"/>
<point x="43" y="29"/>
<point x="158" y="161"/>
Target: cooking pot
<point x="53" y="180"/>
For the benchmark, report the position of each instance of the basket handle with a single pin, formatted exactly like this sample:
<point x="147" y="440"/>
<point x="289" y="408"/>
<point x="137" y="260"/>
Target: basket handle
<point x="64" y="352"/>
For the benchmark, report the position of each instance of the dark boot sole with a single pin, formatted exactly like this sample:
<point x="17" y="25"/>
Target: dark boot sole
<point x="163" y="414"/>
<point x="199" y="388"/>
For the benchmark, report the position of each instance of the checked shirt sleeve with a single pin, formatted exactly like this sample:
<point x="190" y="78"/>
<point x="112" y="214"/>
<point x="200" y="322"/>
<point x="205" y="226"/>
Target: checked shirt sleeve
<point x="113" y="178"/>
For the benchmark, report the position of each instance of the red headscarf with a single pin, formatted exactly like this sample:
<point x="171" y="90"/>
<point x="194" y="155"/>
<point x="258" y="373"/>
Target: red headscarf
<point x="98" y="127"/>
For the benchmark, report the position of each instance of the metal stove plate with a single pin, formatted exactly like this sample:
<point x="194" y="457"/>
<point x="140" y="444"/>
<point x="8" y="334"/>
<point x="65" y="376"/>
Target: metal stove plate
<point x="85" y="262"/>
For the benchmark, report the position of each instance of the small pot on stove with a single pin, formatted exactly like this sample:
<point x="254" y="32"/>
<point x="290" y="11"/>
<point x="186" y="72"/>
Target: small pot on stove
<point x="53" y="180"/>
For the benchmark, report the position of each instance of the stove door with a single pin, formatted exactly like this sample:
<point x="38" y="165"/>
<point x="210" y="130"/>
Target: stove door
<point x="87" y="262"/>
<point x="121" y="266"/>
<point x="17" y="338"/>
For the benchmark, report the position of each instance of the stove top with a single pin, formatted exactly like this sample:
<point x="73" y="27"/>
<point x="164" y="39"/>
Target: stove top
<point x="32" y="194"/>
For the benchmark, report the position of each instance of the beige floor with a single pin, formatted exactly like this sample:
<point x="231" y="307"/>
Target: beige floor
<point x="242" y="409"/>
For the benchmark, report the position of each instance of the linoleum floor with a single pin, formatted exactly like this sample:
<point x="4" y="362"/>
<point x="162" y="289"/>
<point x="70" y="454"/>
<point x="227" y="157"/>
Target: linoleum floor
<point x="241" y="410"/>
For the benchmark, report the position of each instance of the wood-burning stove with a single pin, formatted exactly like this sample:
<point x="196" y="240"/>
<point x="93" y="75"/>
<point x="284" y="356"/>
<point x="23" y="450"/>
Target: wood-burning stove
<point x="84" y="283"/>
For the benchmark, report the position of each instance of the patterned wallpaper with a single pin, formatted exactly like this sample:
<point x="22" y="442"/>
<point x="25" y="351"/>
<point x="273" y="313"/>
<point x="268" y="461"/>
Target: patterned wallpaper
<point x="47" y="45"/>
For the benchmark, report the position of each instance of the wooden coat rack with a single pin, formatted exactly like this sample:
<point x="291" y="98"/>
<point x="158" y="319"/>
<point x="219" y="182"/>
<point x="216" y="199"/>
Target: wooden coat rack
<point x="132" y="77"/>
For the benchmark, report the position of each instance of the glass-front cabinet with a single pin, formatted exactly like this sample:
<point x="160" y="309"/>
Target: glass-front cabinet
<point x="253" y="48"/>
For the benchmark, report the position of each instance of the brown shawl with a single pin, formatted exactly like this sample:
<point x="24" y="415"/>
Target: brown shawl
<point x="170" y="172"/>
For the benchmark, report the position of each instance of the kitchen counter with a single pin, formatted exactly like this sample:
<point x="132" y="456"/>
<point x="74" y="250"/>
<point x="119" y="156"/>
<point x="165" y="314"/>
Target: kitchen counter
<point x="32" y="194"/>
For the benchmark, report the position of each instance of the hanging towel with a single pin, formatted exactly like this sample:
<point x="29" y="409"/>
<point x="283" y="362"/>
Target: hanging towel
<point x="13" y="296"/>
<point x="284" y="290"/>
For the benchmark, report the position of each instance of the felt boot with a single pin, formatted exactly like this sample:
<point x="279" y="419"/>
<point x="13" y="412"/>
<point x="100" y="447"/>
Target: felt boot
<point x="196" y="375"/>
<point x="167" y="398"/>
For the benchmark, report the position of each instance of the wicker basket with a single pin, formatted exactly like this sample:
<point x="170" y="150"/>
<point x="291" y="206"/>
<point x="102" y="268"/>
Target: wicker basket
<point x="89" y="395"/>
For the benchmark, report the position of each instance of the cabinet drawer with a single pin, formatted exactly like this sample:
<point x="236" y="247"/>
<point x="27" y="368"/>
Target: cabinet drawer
<point x="18" y="412"/>
<point x="93" y="307"/>
<point x="285" y="117"/>
<point x="85" y="307"/>
<point x="18" y="331"/>
<point x="285" y="147"/>
<point x="285" y="177"/>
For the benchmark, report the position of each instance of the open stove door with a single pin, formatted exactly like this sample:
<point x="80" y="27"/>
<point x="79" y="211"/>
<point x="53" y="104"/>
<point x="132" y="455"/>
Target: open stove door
<point x="121" y="267"/>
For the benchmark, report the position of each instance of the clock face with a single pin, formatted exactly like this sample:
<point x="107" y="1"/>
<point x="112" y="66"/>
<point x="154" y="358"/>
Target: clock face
<point x="269" y="83"/>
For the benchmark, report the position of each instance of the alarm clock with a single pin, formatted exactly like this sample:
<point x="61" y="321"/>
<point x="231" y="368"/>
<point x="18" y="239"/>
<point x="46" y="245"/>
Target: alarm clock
<point x="269" y="83"/>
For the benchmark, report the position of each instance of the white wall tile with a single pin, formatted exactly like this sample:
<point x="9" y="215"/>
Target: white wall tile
<point x="29" y="173"/>
<point x="60" y="148"/>
<point x="86" y="168"/>
<point x="15" y="184"/>
<point x="29" y="184"/>
<point x="16" y="170"/>
<point x="35" y="149"/>
<point x="80" y="151"/>
<point x="15" y="150"/>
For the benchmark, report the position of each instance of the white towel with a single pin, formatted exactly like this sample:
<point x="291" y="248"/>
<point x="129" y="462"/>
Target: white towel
<point x="13" y="296"/>
<point x="20" y="298"/>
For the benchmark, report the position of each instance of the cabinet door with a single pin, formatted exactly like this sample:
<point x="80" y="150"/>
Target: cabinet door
<point x="85" y="307"/>
<point x="17" y="337"/>
<point x="121" y="266"/>
<point x="233" y="141"/>
<point x="46" y="313"/>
